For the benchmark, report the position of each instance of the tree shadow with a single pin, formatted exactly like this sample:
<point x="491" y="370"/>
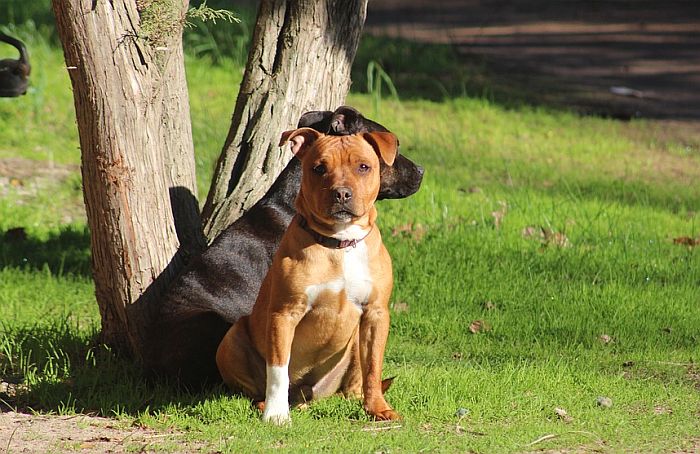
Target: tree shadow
<point x="671" y="198"/>
<point x="60" y="365"/>
<point x="64" y="252"/>
<point x="60" y="368"/>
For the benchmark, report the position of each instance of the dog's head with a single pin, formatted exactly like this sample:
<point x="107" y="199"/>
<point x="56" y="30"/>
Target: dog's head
<point x="398" y="180"/>
<point x="340" y="174"/>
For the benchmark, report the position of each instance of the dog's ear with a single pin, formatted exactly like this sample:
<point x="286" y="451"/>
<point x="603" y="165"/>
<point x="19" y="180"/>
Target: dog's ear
<point x="300" y="138"/>
<point x="316" y="119"/>
<point x="385" y="144"/>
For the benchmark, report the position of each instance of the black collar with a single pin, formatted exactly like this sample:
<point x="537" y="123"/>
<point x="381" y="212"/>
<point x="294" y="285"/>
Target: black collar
<point x="327" y="241"/>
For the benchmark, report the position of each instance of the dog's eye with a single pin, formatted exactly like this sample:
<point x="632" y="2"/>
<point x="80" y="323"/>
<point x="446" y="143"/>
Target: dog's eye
<point x="364" y="168"/>
<point x="320" y="169"/>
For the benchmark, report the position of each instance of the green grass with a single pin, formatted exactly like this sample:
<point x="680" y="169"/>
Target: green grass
<point x="612" y="313"/>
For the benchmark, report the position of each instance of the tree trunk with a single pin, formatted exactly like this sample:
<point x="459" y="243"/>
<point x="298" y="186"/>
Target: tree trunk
<point x="138" y="167"/>
<point x="300" y="60"/>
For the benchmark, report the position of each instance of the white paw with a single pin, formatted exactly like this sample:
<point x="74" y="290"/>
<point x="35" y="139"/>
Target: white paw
<point x="277" y="396"/>
<point x="277" y="414"/>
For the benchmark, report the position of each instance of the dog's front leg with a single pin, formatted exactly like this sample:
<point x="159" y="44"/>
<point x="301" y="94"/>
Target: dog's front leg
<point x="374" y="331"/>
<point x="280" y="334"/>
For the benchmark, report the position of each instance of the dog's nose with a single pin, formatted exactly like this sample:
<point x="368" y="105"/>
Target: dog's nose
<point x="343" y="194"/>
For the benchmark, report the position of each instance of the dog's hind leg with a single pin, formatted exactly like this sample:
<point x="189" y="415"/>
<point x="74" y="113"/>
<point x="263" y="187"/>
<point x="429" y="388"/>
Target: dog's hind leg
<point x="241" y="366"/>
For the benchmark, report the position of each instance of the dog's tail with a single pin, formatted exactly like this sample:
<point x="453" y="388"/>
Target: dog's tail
<point x="386" y="384"/>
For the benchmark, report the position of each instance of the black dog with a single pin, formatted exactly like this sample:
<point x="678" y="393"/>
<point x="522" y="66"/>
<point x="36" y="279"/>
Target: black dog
<point x="14" y="73"/>
<point x="221" y="285"/>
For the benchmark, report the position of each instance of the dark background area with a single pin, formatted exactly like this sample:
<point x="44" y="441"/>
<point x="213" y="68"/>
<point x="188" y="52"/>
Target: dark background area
<point x="567" y="54"/>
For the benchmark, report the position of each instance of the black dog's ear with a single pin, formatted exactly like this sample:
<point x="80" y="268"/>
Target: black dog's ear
<point x="320" y="120"/>
<point x="347" y="120"/>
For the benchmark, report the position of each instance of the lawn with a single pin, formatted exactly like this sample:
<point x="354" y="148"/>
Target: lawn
<point x="537" y="277"/>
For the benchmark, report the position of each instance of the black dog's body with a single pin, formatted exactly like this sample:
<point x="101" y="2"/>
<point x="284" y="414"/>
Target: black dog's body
<point x="221" y="285"/>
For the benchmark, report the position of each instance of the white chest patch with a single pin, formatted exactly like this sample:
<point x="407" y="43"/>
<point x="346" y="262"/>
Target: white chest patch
<point x="356" y="279"/>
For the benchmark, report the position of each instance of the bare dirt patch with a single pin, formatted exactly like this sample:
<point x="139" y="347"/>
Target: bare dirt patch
<point x="22" y="180"/>
<point x="23" y="433"/>
<point x="27" y="176"/>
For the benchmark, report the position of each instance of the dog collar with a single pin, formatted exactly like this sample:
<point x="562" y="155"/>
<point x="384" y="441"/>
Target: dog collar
<point x="328" y="241"/>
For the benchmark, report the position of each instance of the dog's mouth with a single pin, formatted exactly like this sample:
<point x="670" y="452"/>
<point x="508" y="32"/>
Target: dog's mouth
<point x="342" y="215"/>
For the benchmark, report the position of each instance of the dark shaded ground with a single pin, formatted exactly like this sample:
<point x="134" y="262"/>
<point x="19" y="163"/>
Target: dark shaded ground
<point x="568" y="53"/>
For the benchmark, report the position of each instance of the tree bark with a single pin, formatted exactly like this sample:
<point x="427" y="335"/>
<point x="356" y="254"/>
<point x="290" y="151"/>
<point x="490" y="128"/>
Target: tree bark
<point x="300" y="60"/>
<point x="138" y="168"/>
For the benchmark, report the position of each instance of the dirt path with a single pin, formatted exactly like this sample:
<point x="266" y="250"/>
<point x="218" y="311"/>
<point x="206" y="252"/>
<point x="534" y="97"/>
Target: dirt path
<point x="621" y="59"/>
<point x="23" y="433"/>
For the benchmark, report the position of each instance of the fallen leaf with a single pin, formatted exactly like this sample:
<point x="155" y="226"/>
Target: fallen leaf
<point x="661" y="410"/>
<point x="563" y="415"/>
<point x="531" y="231"/>
<point x="546" y="236"/>
<point x="555" y="238"/>
<point x="461" y="412"/>
<point x="605" y="338"/>
<point x="416" y="231"/>
<point x="479" y="326"/>
<point x="604" y="402"/>
<point x="499" y="214"/>
<point x="489" y="306"/>
<point x="419" y="231"/>
<point x="396" y="231"/>
<point x="16" y="182"/>
<point x="400" y="306"/>
<point x="686" y="241"/>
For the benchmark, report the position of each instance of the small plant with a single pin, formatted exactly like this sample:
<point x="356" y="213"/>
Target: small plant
<point x="209" y="33"/>
<point x="204" y="13"/>
<point x="376" y="77"/>
<point x="161" y="19"/>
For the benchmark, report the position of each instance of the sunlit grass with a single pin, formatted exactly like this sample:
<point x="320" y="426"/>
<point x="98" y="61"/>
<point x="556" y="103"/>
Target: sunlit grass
<point x="554" y="231"/>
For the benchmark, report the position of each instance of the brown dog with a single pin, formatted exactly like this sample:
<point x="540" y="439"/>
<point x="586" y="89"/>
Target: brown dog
<point x="321" y="320"/>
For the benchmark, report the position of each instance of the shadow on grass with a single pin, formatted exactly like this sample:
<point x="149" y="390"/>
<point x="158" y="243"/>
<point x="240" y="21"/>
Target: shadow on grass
<point x="65" y="252"/>
<point x="674" y="199"/>
<point x="437" y="72"/>
<point x="667" y="196"/>
<point x="60" y="368"/>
